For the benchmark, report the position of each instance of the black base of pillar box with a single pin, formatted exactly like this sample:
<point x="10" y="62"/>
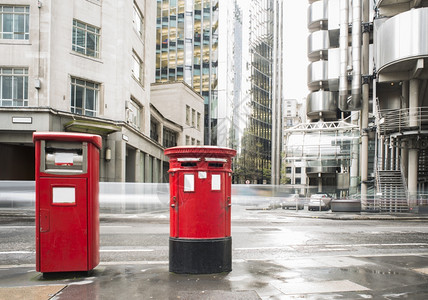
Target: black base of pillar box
<point x="200" y="256"/>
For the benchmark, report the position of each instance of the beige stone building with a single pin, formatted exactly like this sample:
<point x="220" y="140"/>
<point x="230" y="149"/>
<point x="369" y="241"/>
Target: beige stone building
<point x="83" y="66"/>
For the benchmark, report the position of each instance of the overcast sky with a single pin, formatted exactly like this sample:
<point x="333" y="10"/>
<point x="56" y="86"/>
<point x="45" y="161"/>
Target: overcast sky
<point x="295" y="49"/>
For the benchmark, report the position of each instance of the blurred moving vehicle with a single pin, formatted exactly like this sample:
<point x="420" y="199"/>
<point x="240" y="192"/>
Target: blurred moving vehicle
<point x="294" y="201"/>
<point x="320" y="201"/>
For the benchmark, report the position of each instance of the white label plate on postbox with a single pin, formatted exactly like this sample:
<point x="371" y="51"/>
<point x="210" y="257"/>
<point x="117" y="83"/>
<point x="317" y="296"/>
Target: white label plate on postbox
<point x="215" y="182"/>
<point x="63" y="158"/>
<point x="61" y="195"/>
<point x="202" y="175"/>
<point x="189" y="182"/>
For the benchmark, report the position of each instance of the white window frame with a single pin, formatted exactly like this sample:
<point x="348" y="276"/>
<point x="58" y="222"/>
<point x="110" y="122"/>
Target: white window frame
<point x="134" y="114"/>
<point x="87" y="30"/>
<point x="138" y="20"/>
<point x="137" y="68"/>
<point x="87" y="86"/>
<point x="16" y="14"/>
<point x="17" y="91"/>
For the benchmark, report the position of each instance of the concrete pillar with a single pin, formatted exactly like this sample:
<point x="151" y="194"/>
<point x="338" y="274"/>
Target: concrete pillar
<point x="110" y="166"/>
<point x="413" y="102"/>
<point x="147" y="170"/>
<point x="404" y="94"/>
<point x="364" y="155"/>
<point x="393" y="153"/>
<point x="120" y="160"/>
<point x="413" y="152"/>
<point x="397" y="154"/>
<point x="413" y="176"/>
<point x="387" y="154"/>
<point x="138" y="166"/>
<point x="404" y="158"/>
<point x="382" y="153"/>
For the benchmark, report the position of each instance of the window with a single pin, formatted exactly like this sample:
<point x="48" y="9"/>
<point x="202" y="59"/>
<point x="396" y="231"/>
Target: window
<point x="298" y="181"/>
<point x="298" y="170"/>
<point x="84" y="97"/>
<point x="137" y="68"/>
<point x="169" y="138"/>
<point x="288" y="170"/>
<point x="13" y="87"/>
<point x="138" y="21"/>
<point x="187" y="140"/>
<point x="154" y="130"/>
<point x="193" y="117"/>
<point x="187" y="115"/>
<point x="86" y="39"/>
<point x="133" y="114"/>
<point x="14" y="22"/>
<point x="198" y="121"/>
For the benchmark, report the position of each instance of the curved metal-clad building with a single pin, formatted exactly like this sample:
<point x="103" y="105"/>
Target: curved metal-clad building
<point x="401" y="52"/>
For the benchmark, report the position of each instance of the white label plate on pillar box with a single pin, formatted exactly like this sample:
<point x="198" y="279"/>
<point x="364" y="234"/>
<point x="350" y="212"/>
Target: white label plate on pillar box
<point x="215" y="182"/>
<point x="189" y="182"/>
<point x="62" y="195"/>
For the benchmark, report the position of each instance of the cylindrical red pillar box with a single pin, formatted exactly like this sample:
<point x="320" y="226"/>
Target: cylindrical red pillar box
<point x="67" y="209"/>
<point x="200" y="179"/>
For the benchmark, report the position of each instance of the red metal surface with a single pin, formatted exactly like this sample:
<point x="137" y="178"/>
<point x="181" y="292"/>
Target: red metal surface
<point x="67" y="234"/>
<point x="205" y="211"/>
<point x="68" y="137"/>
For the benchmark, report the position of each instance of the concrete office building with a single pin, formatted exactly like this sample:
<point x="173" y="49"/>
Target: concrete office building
<point x="84" y="66"/>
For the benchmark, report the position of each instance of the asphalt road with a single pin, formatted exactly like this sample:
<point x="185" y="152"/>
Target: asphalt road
<point x="276" y="254"/>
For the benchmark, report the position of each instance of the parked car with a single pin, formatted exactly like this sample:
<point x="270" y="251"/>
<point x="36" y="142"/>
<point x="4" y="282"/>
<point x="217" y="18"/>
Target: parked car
<point x="320" y="201"/>
<point x="292" y="202"/>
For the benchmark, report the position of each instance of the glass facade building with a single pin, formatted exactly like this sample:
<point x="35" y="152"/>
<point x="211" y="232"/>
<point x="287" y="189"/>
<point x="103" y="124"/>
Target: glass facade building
<point x="228" y="52"/>
<point x="187" y="50"/>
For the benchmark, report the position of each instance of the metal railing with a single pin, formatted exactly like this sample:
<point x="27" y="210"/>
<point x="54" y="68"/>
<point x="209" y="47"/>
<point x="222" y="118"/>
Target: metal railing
<point x="399" y="120"/>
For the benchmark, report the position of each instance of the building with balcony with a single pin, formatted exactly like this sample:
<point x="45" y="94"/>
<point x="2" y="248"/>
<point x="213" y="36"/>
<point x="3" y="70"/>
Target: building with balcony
<point x="401" y="100"/>
<point x="82" y="66"/>
<point x="368" y="82"/>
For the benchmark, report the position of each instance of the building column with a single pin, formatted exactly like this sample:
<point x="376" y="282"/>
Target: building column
<point x="381" y="160"/>
<point x="110" y="166"/>
<point x="138" y="166"/>
<point x="387" y="154"/>
<point x="148" y="168"/>
<point x="365" y="89"/>
<point x="404" y="158"/>
<point x="413" y="152"/>
<point x="393" y="153"/>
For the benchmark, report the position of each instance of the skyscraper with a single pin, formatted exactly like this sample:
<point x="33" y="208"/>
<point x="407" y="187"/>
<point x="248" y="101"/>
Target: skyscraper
<point x="229" y="52"/>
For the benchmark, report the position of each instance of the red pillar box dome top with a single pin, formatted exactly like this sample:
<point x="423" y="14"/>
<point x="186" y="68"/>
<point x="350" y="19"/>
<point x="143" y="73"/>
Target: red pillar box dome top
<point x="205" y="154"/>
<point x="200" y="179"/>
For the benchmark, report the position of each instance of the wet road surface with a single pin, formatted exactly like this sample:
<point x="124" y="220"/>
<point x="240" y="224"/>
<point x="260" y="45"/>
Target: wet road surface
<point x="276" y="255"/>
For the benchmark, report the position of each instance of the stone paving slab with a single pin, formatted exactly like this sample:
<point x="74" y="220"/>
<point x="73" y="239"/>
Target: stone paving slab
<point x="40" y="292"/>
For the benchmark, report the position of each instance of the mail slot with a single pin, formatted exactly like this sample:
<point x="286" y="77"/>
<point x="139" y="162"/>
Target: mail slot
<point x="67" y="209"/>
<point x="200" y="179"/>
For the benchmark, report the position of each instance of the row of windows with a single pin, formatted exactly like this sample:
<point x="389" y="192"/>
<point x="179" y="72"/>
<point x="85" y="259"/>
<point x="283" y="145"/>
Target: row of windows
<point x="192" y="141"/>
<point x="14" y="24"/>
<point x="193" y="118"/>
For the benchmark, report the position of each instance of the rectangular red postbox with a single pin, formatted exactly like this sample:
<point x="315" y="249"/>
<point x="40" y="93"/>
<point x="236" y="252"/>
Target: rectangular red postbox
<point x="200" y="179"/>
<point x="67" y="207"/>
